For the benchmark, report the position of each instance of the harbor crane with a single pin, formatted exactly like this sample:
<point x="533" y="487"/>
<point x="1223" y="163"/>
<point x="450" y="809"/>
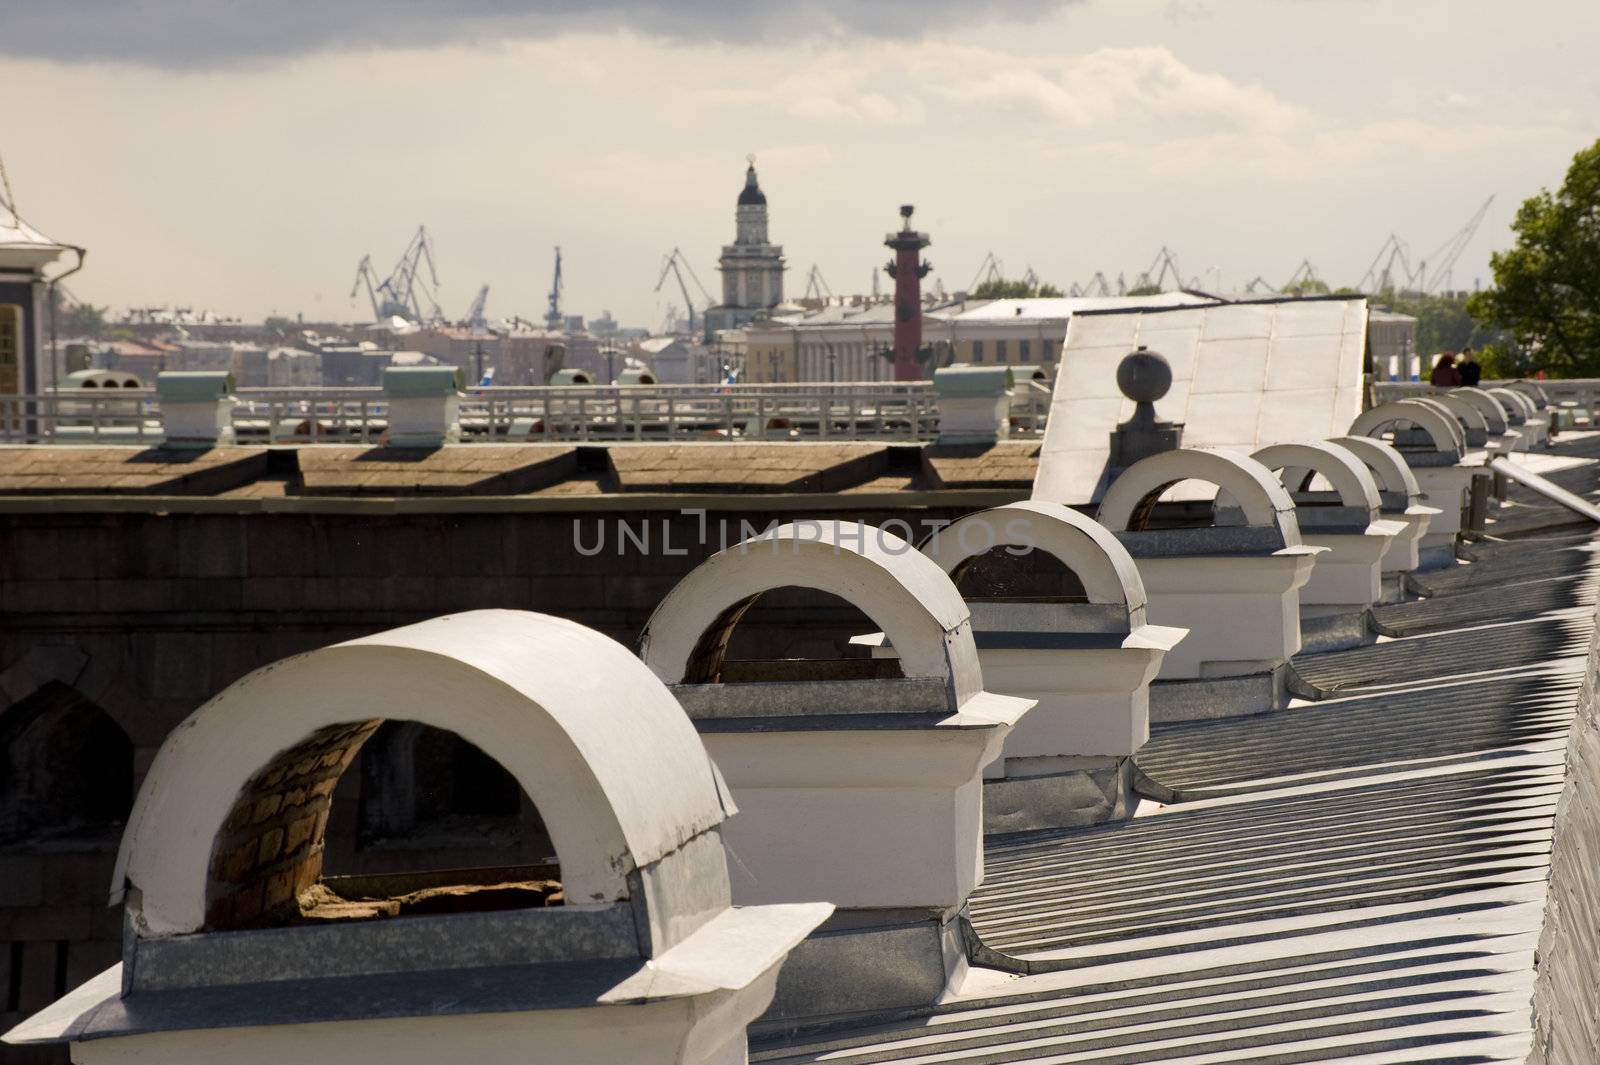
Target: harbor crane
<point x="1304" y="279"/>
<point x="676" y="264"/>
<point x="989" y="270"/>
<point x="1420" y="278"/>
<point x="405" y="293"/>
<point x="1156" y="276"/>
<point x="817" y="286"/>
<point x="475" y="316"/>
<point x="552" y="317"/>
<point x="1445" y="256"/>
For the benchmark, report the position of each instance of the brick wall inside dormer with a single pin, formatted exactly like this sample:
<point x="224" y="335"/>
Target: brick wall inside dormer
<point x="271" y="845"/>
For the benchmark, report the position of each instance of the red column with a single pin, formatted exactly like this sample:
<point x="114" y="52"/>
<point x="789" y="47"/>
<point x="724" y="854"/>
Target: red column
<point x="908" y="272"/>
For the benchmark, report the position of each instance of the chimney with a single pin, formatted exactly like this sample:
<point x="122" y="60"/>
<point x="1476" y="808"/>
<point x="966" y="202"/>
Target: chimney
<point x="1400" y="500"/>
<point x="974" y="403"/>
<point x="858" y="782"/>
<point x="627" y="950"/>
<point x="1235" y="587"/>
<point x="196" y="408"/>
<point x="1433" y="443"/>
<point x="1347" y="581"/>
<point x="1088" y="665"/>
<point x="423" y="405"/>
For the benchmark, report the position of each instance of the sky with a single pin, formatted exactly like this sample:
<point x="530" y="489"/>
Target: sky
<point x="243" y="157"/>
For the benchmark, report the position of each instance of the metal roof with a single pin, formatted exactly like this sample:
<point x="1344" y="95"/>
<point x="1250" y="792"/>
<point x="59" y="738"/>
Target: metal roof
<point x="1355" y="879"/>
<point x="1057" y="307"/>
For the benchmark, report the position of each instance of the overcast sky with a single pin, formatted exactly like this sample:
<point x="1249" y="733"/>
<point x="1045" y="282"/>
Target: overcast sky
<point x="244" y="156"/>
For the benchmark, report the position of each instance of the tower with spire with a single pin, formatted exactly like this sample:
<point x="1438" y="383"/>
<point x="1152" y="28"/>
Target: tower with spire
<point x="752" y="268"/>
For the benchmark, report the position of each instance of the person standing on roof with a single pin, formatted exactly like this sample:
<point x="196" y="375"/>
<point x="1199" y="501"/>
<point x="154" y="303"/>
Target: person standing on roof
<point x="1471" y="373"/>
<point x="1445" y="374"/>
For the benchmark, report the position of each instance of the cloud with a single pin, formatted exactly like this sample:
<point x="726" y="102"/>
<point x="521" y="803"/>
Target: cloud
<point x="1109" y="86"/>
<point x="908" y="82"/>
<point x="208" y="34"/>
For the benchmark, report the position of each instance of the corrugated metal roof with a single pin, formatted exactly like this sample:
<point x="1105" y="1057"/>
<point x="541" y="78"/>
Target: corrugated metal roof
<point x="1359" y="879"/>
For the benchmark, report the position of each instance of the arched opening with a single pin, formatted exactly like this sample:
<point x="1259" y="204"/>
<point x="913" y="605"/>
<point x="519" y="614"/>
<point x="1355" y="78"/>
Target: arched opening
<point x="787" y="633"/>
<point x="90" y="383"/>
<point x="68" y="771"/>
<point x="1018" y="574"/>
<point x="1190" y="503"/>
<point x="379" y="819"/>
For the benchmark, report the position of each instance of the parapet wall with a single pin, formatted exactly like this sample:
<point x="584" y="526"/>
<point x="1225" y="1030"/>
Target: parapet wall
<point x="1565" y="1007"/>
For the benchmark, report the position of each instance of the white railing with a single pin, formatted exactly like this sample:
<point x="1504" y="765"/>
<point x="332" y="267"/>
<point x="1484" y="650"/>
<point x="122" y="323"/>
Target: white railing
<point x="1578" y="398"/>
<point x="820" y="411"/>
<point x="81" y="416"/>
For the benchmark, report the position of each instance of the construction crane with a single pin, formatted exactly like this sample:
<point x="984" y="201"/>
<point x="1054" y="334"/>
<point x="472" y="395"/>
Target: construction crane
<point x="675" y="263"/>
<point x="552" y="317"/>
<point x="1259" y="283"/>
<point x="404" y="293"/>
<point x="1444" y="258"/>
<point x="817" y="285"/>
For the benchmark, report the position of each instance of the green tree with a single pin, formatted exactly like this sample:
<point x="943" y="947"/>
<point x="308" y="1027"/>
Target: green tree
<point x="278" y="324"/>
<point x="1001" y="288"/>
<point x="1547" y="288"/>
<point x="1145" y="290"/>
<point x="80" y="320"/>
<point x="1309" y="287"/>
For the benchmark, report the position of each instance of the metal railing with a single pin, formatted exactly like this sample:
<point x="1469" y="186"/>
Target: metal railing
<point x="81" y="416"/>
<point x="1578" y="398"/>
<point x="816" y="411"/>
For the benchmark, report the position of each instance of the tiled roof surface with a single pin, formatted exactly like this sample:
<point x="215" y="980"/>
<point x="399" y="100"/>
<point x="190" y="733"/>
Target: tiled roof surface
<point x="1358" y="878"/>
<point x="340" y="470"/>
<point x="126" y="470"/>
<point x="485" y="470"/>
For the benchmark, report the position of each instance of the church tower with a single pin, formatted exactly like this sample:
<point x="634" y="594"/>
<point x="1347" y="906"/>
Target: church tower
<point x="752" y="268"/>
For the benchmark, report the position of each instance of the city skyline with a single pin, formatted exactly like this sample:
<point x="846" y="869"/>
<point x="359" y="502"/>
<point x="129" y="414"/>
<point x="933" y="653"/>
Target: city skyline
<point x="250" y="176"/>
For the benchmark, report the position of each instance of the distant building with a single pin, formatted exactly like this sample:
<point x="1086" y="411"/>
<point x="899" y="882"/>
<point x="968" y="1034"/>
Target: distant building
<point x="24" y="254"/>
<point x="752" y="269"/>
<point x="856" y="343"/>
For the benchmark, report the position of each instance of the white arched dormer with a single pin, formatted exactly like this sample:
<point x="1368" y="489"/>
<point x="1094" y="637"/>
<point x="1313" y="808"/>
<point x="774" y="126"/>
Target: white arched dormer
<point x="1345" y="519"/>
<point x="1433" y="442"/>
<point x="865" y="792"/>
<point x="1421" y="431"/>
<point x="1523" y="413"/>
<point x="1400" y="500"/>
<point x="1234" y="585"/>
<point x="1478" y="431"/>
<point x="225" y="841"/>
<point x="1502" y="436"/>
<point x="1088" y="664"/>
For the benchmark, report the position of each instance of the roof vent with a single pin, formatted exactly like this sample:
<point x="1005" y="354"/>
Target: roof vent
<point x="1433" y="442"/>
<point x="224" y="849"/>
<point x="1344" y="518"/>
<point x="1088" y="663"/>
<point x="1234" y="584"/>
<point x="864" y="791"/>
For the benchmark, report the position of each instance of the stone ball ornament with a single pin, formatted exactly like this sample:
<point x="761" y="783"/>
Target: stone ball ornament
<point x="1144" y="376"/>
